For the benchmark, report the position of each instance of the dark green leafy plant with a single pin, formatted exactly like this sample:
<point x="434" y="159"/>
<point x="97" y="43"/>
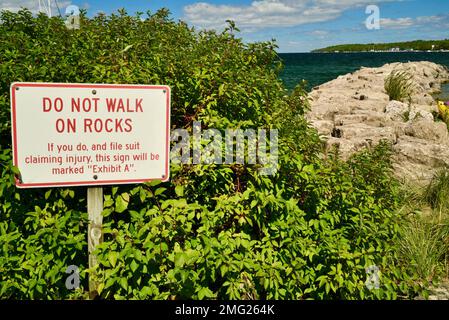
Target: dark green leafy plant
<point x="212" y="232"/>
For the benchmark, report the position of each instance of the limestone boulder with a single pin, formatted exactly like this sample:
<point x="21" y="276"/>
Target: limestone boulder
<point x="428" y="130"/>
<point x="324" y="127"/>
<point x="397" y="110"/>
<point x="354" y="111"/>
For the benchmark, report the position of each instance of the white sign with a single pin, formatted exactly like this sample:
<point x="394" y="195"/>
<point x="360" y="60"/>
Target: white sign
<point x="89" y="134"/>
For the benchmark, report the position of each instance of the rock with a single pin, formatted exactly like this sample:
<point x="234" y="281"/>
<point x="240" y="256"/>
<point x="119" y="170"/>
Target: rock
<point x="330" y="109"/>
<point x="373" y="118"/>
<point x="341" y="120"/>
<point x="430" y="109"/>
<point x="422" y="99"/>
<point x="399" y="128"/>
<point x="324" y="127"/>
<point x="416" y="115"/>
<point x="352" y="122"/>
<point x="416" y="159"/>
<point x="346" y="147"/>
<point x="364" y="131"/>
<point x="397" y="110"/>
<point x="428" y="130"/>
<point x="364" y="78"/>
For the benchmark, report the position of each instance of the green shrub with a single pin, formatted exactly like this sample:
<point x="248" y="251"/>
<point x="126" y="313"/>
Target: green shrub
<point x="399" y="86"/>
<point x="212" y="232"/>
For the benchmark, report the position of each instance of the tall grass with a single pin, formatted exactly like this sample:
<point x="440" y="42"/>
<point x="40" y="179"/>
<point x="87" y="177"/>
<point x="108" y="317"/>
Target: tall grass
<point x="424" y="242"/>
<point x="424" y="247"/>
<point x="437" y="192"/>
<point x="399" y="86"/>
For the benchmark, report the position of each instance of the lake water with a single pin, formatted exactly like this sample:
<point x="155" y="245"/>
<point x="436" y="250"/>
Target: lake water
<point x="444" y="95"/>
<point x="317" y="68"/>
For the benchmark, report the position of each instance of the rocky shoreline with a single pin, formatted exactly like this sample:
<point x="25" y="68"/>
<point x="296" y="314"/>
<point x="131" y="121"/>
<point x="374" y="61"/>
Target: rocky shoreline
<point x="354" y="111"/>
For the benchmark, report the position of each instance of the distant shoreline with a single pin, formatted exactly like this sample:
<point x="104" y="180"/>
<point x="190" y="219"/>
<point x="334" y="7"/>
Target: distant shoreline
<point x="408" y="46"/>
<point x="328" y="52"/>
<point x="384" y="51"/>
<point x="379" y="51"/>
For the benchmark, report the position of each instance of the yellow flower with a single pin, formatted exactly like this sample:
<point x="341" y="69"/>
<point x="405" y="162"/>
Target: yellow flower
<point x="444" y="111"/>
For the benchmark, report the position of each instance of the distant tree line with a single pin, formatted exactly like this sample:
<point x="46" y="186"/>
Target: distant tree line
<point x="421" y="45"/>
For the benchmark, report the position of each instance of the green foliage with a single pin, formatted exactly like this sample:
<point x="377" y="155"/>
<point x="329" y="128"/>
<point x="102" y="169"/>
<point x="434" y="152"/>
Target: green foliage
<point x="212" y="232"/>
<point x="308" y="232"/>
<point x="399" y="86"/>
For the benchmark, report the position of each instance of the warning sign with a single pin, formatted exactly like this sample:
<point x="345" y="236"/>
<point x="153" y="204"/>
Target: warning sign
<point x="89" y="134"/>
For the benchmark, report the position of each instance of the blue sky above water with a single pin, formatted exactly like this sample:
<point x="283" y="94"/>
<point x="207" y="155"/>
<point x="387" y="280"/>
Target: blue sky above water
<point x="297" y="25"/>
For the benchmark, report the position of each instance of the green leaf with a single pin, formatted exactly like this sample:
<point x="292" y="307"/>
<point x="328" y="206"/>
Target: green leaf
<point x="112" y="257"/>
<point x="100" y="288"/>
<point x="205" y="293"/>
<point x="142" y="194"/>
<point x="133" y="266"/>
<point x="121" y="202"/>
<point x="15" y="170"/>
<point x="124" y="283"/>
<point x="179" y="190"/>
<point x="180" y="259"/>
<point x="159" y="191"/>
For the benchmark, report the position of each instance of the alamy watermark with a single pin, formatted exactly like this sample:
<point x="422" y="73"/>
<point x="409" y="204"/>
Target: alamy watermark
<point x="372" y="22"/>
<point x="372" y="277"/>
<point x="73" y="280"/>
<point x="72" y="14"/>
<point x="210" y="147"/>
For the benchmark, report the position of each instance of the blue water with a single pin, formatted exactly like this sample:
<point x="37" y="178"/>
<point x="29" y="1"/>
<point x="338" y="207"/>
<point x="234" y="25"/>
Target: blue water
<point x="317" y="68"/>
<point x="444" y="95"/>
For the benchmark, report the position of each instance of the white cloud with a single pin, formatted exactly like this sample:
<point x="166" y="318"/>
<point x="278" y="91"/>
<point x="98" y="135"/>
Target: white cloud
<point x="320" y="32"/>
<point x="32" y="5"/>
<point x="401" y="23"/>
<point x="270" y="13"/>
<point x="432" y="19"/>
<point x="396" y="23"/>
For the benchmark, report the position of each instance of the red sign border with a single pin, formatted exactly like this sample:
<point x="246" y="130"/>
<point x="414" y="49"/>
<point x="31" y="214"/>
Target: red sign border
<point x="89" y="86"/>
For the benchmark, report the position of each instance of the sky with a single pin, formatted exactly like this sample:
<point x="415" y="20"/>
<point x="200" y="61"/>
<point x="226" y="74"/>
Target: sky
<point x="296" y="25"/>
